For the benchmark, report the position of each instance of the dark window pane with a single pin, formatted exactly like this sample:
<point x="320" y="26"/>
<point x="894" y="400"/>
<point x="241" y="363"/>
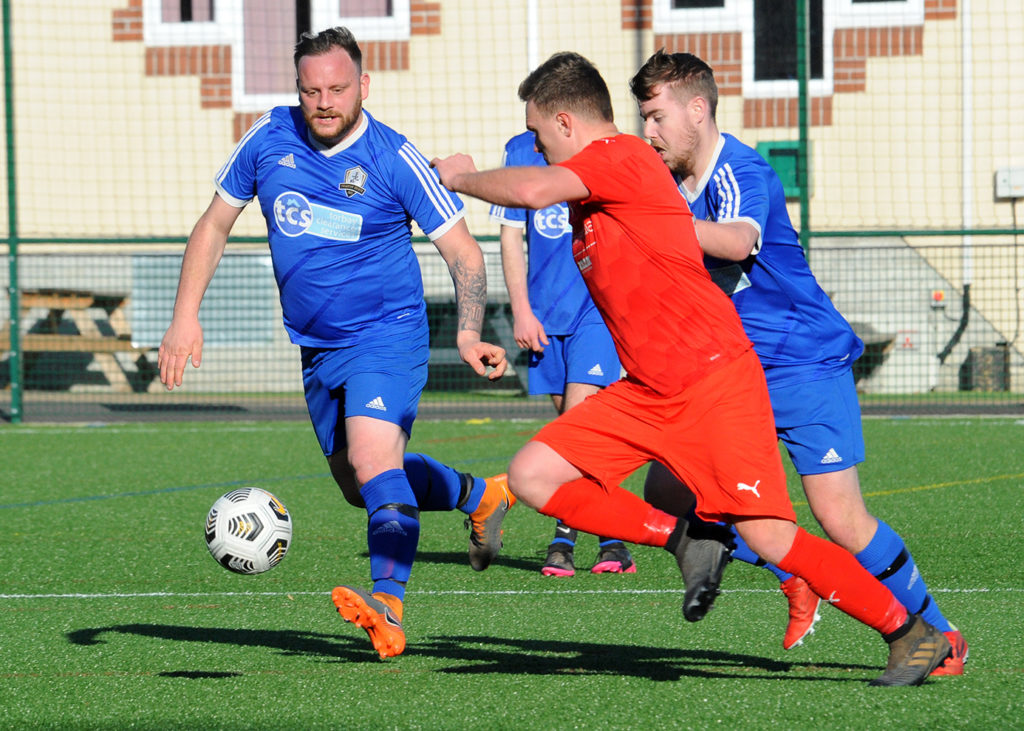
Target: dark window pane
<point x="303" y="18"/>
<point x="775" y="39"/>
<point x="680" y="4"/>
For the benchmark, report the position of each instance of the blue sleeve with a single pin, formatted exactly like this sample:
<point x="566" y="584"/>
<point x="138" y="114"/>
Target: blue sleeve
<point x="738" y="192"/>
<point x="236" y="180"/>
<point x="416" y="185"/>
<point x="509" y="216"/>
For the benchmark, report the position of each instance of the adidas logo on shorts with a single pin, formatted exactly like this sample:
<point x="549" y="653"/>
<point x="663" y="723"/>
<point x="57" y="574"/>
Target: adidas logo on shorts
<point x="831" y="457"/>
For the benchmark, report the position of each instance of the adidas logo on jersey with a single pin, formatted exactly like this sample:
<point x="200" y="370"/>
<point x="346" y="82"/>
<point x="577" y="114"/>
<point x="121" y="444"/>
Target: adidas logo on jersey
<point x="288" y="161"/>
<point x="377" y="404"/>
<point x="831" y="457"/>
<point x="596" y="370"/>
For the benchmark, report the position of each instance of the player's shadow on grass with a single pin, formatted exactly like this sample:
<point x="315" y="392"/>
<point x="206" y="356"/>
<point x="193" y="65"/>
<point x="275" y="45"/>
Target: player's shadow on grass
<point x="286" y="642"/>
<point x="496" y="655"/>
<point x="461" y="558"/>
<point x="488" y="655"/>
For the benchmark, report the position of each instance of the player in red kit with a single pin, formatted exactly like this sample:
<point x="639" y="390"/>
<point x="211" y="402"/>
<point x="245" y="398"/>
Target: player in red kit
<point x="694" y="397"/>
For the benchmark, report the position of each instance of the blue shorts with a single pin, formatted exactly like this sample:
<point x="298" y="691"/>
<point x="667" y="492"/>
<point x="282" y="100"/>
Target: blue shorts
<point x="819" y="422"/>
<point x="586" y="356"/>
<point x="382" y="380"/>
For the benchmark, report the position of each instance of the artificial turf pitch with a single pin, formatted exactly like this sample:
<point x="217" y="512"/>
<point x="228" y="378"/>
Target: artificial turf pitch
<point x="115" y="616"/>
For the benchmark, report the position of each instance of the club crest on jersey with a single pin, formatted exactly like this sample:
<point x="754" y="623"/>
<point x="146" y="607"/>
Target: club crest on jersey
<point x="355" y="182"/>
<point x="552" y="222"/>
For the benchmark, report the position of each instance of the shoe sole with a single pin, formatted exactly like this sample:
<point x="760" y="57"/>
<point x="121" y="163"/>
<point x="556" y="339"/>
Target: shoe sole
<point x="706" y="558"/>
<point x="612" y="567"/>
<point x="555" y="571"/>
<point x="950" y="667"/>
<point x="388" y="640"/>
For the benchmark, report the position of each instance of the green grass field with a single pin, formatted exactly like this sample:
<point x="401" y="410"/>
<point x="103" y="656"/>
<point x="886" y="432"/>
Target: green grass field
<point x="115" y="616"/>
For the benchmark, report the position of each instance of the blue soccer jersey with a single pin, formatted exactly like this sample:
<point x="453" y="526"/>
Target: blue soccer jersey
<point x="338" y="223"/>
<point x="796" y="330"/>
<point x="558" y="294"/>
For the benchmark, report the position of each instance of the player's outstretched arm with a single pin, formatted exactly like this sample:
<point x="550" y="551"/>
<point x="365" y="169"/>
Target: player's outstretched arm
<point x="183" y="340"/>
<point x="526" y="186"/>
<point x="466" y="264"/>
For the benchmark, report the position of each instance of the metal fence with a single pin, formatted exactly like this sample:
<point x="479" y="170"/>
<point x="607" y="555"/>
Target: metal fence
<point x="897" y="127"/>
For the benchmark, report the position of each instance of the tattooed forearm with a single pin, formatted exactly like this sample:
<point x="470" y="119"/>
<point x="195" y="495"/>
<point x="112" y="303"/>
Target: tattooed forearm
<point x="470" y="293"/>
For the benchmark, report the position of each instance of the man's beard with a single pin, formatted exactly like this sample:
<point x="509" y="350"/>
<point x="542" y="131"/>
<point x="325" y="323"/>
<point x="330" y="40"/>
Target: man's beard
<point x="347" y="124"/>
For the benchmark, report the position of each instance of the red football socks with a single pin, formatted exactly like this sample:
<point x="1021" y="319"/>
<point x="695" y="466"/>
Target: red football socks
<point x="617" y="513"/>
<point x="836" y="577"/>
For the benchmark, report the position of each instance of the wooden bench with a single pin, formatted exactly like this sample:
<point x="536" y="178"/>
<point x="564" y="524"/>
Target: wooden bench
<point x="102" y="329"/>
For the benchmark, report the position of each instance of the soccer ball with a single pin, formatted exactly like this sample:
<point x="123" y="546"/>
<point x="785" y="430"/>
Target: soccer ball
<point x="248" y="530"/>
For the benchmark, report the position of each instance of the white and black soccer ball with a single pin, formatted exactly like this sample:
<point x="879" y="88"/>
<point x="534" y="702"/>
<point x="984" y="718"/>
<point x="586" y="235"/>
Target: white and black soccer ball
<point x="248" y="530"/>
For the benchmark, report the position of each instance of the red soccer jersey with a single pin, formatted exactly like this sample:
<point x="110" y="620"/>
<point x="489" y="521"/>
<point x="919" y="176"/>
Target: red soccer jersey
<point x="636" y="246"/>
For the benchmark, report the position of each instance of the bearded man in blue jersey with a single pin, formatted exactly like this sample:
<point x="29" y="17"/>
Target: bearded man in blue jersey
<point x="806" y="347"/>
<point x="338" y="190"/>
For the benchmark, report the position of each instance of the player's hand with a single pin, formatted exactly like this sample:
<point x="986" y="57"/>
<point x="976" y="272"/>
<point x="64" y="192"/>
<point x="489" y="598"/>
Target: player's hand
<point x="482" y="356"/>
<point x="183" y="339"/>
<point x="529" y="333"/>
<point x="449" y="168"/>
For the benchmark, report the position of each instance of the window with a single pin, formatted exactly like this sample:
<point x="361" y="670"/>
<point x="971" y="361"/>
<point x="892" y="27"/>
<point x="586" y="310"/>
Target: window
<point x="186" y="11"/>
<point x="775" y="39"/>
<point x="262" y="35"/>
<point x="364" y="8"/>
<point x="768" y="32"/>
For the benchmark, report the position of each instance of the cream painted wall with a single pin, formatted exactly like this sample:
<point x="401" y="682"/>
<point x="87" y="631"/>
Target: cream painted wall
<point x="104" y="150"/>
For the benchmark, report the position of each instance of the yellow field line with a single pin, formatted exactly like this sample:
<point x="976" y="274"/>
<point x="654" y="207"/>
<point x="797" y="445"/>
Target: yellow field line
<point x="936" y="486"/>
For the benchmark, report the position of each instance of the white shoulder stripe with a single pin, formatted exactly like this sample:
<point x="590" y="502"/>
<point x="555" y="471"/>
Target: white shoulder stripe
<point x="728" y="193"/>
<point x="437" y="193"/>
<point x="735" y="187"/>
<point x="259" y="124"/>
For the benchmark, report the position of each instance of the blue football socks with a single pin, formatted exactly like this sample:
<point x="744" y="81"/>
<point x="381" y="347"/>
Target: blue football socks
<point x="439" y="487"/>
<point x="393" y="531"/>
<point x="888" y="560"/>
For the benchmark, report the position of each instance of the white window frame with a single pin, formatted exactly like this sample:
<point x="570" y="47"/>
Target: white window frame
<point x="228" y="29"/>
<point x="738" y="17"/>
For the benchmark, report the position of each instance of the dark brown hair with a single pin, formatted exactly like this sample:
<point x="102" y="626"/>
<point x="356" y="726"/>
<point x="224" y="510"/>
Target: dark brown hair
<point x="571" y="82"/>
<point x="683" y="71"/>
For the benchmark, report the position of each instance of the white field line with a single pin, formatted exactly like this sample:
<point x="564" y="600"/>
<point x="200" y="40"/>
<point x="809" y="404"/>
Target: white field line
<point x="210" y="594"/>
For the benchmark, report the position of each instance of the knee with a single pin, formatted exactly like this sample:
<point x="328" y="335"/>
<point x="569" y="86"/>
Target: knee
<point x="521" y="480"/>
<point x="345" y="476"/>
<point x="528" y="479"/>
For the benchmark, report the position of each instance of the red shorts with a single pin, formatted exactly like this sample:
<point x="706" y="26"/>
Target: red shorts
<point x="717" y="436"/>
